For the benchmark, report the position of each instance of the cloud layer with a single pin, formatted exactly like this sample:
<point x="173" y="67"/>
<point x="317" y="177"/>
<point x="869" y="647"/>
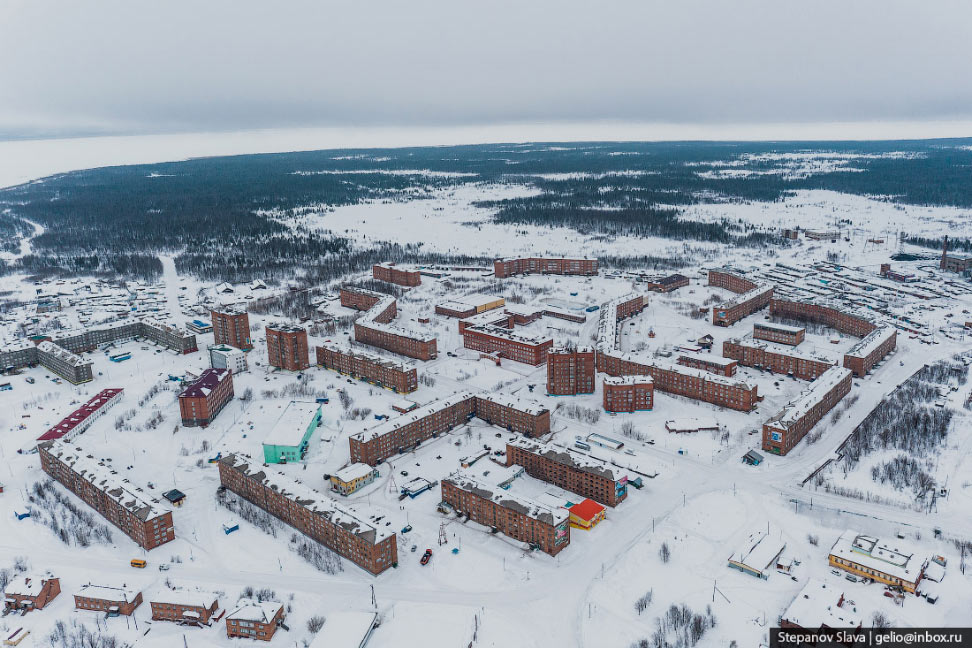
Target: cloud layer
<point x="131" y="67"/>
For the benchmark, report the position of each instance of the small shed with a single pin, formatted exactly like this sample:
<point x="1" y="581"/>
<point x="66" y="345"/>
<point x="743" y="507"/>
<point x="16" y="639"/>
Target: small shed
<point x="752" y="458"/>
<point x="175" y="497"/>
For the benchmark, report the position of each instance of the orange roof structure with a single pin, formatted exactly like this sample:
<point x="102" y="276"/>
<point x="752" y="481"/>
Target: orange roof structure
<point x="586" y="510"/>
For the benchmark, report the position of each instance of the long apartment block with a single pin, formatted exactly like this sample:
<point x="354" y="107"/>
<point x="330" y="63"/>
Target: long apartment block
<point x="340" y="528"/>
<point x="760" y="354"/>
<point x="877" y="340"/>
<point x="394" y="375"/>
<point x="750" y="296"/>
<point x="396" y="274"/>
<point x="544" y="265"/>
<point x="572" y="471"/>
<point x="513" y="346"/>
<point x="27" y="354"/>
<point x="783" y="431"/>
<point x="374" y="327"/>
<point x="518" y="517"/>
<point x="667" y="377"/>
<point x="401" y="434"/>
<point x="126" y="506"/>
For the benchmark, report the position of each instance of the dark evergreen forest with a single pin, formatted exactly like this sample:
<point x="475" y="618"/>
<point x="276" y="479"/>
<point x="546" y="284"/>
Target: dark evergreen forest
<point x="227" y="218"/>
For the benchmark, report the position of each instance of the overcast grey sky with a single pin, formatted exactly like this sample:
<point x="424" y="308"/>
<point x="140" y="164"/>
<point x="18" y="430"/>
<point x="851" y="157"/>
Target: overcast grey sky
<point x="140" y="67"/>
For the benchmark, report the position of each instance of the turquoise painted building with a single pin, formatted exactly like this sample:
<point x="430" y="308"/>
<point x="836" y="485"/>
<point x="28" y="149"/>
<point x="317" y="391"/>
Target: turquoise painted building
<point x="290" y="436"/>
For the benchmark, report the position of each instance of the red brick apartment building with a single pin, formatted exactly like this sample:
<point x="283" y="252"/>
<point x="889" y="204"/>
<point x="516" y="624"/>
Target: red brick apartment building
<point x="101" y="488"/>
<point x="862" y="357"/>
<point x="673" y="379"/>
<point x="570" y="371"/>
<point x="784" y="430"/>
<point x="232" y="327"/>
<point x="877" y="342"/>
<point x="518" y="517"/>
<point x="493" y="339"/>
<point x="287" y="347"/>
<point x="808" y="311"/>
<point x="314" y="514"/>
<point x="363" y="299"/>
<point x="365" y="366"/>
<point x="395" y="436"/>
<point x="393" y="274"/>
<point x="628" y="393"/>
<point x="397" y="340"/>
<point x="577" y="473"/>
<point x="184" y="606"/>
<point x="780" y="333"/>
<point x="750" y="297"/>
<point x="30" y="592"/>
<point x="113" y="600"/>
<point x="201" y="401"/>
<point x="254" y="620"/>
<point x="666" y="284"/>
<point x="543" y="265"/>
<point x="683" y="381"/>
<point x="374" y="329"/>
<point x="755" y="353"/>
<point x="713" y="364"/>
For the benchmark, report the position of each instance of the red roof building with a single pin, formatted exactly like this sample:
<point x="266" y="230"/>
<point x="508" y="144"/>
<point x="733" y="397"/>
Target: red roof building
<point x="586" y="515"/>
<point x="202" y="400"/>
<point x="81" y="419"/>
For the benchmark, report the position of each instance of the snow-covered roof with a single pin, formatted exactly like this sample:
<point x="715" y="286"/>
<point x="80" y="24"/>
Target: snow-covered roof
<point x="345" y="630"/>
<point x="309" y="498"/>
<point x="797" y="353"/>
<point x="27" y="584"/>
<point x="392" y="424"/>
<point x="506" y="334"/>
<point x="895" y="557"/>
<point x="782" y="328"/>
<point x="798" y="408"/>
<point x="582" y="462"/>
<point x="691" y="424"/>
<point x="524" y="310"/>
<point x="255" y="611"/>
<point x="206" y="383"/>
<point x="758" y="551"/>
<point x="760" y="290"/>
<point x="187" y="597"/>
<point x="354" y="471"/>
<point x="285" y="328"/>
<point x="107" y="593"/>
<point x="819" y="604"/>
<point x="82" y="414"/>
<point x="384" y="302"/>
<point x="104" y="478"/>
<point x="870" y="342"/>
<point x="63" y="354"/>
<point x="528" y="507"/>
<point x="356" y="352"/>
<point x="486" y="318"/>
<point x="290" y="428"/>
<point x="714" y="360"/>
<point x="513" y="402"/>
<point x="478" y="300"/>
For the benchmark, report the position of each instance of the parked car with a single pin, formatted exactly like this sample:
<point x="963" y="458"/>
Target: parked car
<point x="426" y="557"/>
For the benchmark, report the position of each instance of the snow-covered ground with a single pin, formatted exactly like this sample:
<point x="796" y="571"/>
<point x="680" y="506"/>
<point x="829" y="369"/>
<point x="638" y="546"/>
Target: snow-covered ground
<point x="702" y="503"/>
